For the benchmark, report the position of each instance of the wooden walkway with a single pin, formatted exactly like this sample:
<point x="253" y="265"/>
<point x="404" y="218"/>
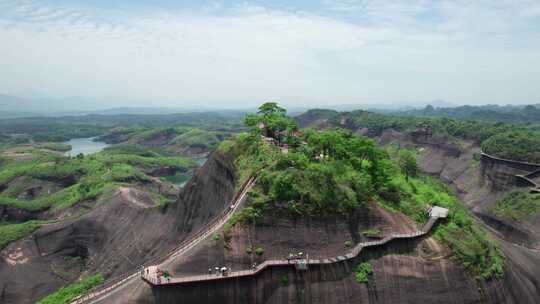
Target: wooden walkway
<point x="183" y="247"/>
<point x="154" y="281"/>
<point x="531" y="179"/>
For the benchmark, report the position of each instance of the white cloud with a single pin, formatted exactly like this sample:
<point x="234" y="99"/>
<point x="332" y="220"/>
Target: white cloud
<point x="462" y="52"/>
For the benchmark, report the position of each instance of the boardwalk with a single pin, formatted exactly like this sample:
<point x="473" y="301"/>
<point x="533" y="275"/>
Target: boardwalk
<point x="530" y="179"/>
<point x="154" y="281"/>
<point x="185" y="246"/>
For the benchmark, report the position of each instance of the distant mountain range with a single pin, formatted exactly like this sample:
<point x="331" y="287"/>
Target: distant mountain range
<point x="496" y="113"/>
<point x="16" y="107"/>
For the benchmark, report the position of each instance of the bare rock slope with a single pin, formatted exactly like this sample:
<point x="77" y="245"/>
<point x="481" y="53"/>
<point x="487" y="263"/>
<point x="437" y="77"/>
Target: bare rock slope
<point x="121" y="232"/>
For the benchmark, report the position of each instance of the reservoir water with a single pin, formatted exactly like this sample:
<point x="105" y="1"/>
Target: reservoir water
<point x="181" y="179"/>
<point x="85" y="146"/>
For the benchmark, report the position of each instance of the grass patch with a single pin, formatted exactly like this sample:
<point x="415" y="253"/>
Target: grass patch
<point x="372" y="233"/>
<point x="68" y="293"/>
<point x="55" y="147"/>
<point x="197" y="137"/>
<point x="161" y="200"/>
<point x="517" y="205"/>
<point x="12" y="232"/>
<point x="88" y="177"/>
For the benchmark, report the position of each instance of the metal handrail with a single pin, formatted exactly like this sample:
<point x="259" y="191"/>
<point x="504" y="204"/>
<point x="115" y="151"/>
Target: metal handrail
<point x="121" y="279"/>
<point x="272" y="263"/>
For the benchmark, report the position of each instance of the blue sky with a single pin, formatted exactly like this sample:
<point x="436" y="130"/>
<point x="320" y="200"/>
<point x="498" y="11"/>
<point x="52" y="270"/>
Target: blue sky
<point x="306" y="53"/>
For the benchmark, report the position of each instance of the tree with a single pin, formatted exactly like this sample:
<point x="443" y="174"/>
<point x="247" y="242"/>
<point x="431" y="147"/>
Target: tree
<point x="276" y="123"/>
<point x="407" y="164"/>
<point x="268" y="108"/>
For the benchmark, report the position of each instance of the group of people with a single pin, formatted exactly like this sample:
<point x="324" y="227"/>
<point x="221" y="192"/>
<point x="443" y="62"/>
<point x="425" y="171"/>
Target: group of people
<point x="165" y="274"/>
<point x="293" y="256"/>
<point x="223" y="271"/>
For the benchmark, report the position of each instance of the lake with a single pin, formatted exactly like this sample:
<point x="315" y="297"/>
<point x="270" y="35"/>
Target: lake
<point x="178" y="179"/>
<point x="85" y="146"/>
<point x="181" y="179"/>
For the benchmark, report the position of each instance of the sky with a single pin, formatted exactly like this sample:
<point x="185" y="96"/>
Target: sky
<point x="300" y="53"/>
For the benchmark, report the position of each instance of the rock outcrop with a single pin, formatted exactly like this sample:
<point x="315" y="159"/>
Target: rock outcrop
<point x="116" y="236"/>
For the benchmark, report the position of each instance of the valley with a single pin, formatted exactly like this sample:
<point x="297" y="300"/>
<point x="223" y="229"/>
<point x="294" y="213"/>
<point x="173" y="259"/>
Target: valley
<point x="324" y="192"/>
<point x="269" y="152"/>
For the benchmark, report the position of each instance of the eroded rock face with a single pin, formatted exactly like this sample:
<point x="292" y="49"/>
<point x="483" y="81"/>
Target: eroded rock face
<point x="122" y="232"/>
<point x="402" y="274"/>
<point x="403" y="270"/>
<point x="480" y="184"/>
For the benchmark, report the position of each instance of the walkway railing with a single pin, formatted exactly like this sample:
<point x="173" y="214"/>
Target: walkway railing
<point x="185" y="245"/>
<point x="154" y="281"/>
<point x="530" y="178"/>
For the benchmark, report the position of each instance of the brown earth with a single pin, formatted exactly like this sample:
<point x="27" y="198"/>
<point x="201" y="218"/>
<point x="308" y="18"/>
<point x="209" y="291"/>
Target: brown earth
<point x="120" y="233"/>
<point x="123" y="231"/>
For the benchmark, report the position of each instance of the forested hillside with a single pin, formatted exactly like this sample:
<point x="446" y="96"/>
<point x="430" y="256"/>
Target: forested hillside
<point x="507" y="140"/>
<point x="493" y="113"/>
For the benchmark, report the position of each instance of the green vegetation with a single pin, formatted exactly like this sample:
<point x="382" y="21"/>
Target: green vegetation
<point x="348" y="244"/>
<point x="471" y="245"/>
<point x="216" y="237"/>
<point x="55" y="147"/>
<point x="113" y="128"/>
<point x="407" y="164"/>
<point x="249" y="249"/>
<point x="86" y="177"/>
<point x="284" y="280"/>
<point x="165" y="140"/>
<point x="68" y="293"/>
<point x="519" y="142"/>
<point x="34" y="176"/>
<point x="335" y="172"/>
<point x="363" y="271"/>
<point x="162" y="200"/>
<point x="130" y="149"/>
<point x="372" y="233"/>
<point x="273" y="122"/>
<point x="517" y="205"/>
<point x="515" y="145"/>
<point x="259" y="251"/>
<point x="495" y="113"/>
<point x="13" y="232"/>
<point x="195" y="137"/>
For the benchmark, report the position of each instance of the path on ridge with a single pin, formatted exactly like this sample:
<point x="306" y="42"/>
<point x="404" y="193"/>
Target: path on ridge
<point x="103" y="291"/>
<point x="154" y="281"/>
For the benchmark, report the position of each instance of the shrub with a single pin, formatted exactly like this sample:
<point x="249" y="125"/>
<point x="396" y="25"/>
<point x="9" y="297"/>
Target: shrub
<point x="259" y="251"/>
<point x="348" y="244"/>
<point x="249" y="249"/>
<point x="363" y="270"/>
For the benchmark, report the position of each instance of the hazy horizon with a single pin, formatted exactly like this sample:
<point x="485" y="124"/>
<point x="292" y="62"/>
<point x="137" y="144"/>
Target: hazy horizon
<point x="225" y="55"/>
